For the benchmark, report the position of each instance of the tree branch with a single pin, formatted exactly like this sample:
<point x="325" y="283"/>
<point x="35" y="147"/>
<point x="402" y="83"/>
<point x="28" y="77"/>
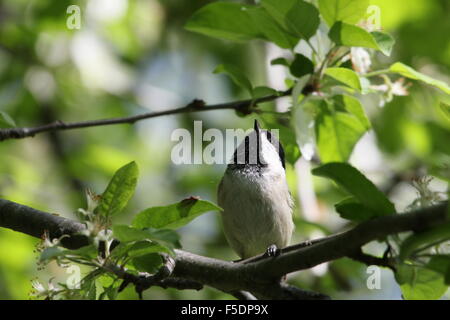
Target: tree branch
<point x="369" y="260"/>
<point x="35" y="223"/>
<point x="259" y="276"/>
<point x="143" y="281"/>
<point x="243" y="106"/>
<point x="348" y="242"/>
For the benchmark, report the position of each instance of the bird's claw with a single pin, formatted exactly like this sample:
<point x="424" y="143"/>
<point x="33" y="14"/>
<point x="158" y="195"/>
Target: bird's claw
<point x="272" y="251"/>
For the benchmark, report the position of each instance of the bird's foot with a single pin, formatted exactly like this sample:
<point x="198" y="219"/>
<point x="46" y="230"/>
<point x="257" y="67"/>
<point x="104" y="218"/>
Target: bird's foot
<point x="272" y="251"/>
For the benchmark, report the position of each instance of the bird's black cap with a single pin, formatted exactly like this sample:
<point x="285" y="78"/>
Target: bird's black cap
<point x="248" y="152"/>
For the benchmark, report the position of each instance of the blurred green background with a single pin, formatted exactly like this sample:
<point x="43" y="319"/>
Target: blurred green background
<point x="133" y="56"/>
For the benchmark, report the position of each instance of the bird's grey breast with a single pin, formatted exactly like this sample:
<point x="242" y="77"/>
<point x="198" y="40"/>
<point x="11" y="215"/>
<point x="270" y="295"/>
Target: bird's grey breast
<point x="257" y="209"/>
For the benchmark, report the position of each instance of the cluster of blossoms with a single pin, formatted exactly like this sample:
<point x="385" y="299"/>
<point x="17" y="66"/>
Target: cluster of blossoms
<point x="425" y="196"/>
<point x="362" y="62"/>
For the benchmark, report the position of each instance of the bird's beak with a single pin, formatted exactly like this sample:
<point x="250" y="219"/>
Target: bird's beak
<point x="256" y="126"/>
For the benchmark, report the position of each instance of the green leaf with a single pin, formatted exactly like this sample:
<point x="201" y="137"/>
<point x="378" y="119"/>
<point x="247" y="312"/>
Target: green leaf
<point x="351" y="209"/>
<point x="301" y="66"/>
<point x="168" y="238"/>
<point x="270" y="30"/>
<point x="6" y="121"/>
<point x="237" y="75"/>
<point x="337" y="133"/>
<point x="408" y="72"/>
<point x="447" y="277"/>
<point x="121" y="249"/>
<point x="348" y="35"/>
<point x="278" y="9"/>
<point x="119" y="191"/>
<point x="51" y="253"/>
<point x="145" y="247"/>
<point x="88" y="252"/>
<point x="91" y="291"/>
<point x="355" y="183"/>
<point x="344" y="34"/>
<point x="349" y="11"/>
<point x="384" y="41"/>
<point x="239" y="22"/>
<point x="352" y="105"/>
<point x="419" y="241"/>
<point x="298" y="17"/>
<point x="441" y="264"/>
<point x="109" y="292"/>
<point x="139" y="248"/>
<point x="175" y="215"/>
<point x="420" y="283"/>
<point x="346" y="76"/>
<point x="303" y="19"/>
<point x="96" y="275"/>
<point x="259" y="92"/>
<point x="280" y="61"/>
<point x="224" y="20"/>
<point x="148" y="263"/>
<point x="125" y="233"/>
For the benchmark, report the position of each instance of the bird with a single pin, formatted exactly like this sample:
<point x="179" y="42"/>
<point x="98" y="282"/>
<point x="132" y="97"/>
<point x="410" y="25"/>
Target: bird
<point x="257" y="213"/>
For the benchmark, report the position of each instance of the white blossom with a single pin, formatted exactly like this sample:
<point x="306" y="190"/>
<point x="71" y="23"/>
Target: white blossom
<point x="360" y="59"/>
<point x="425" y="196"/>
<point x="92" y="200"/>
<point x="48" y="243"/>
<point x="399" y="88"/>
<point x="390" y="89"/>
<point x="40" y="291"/>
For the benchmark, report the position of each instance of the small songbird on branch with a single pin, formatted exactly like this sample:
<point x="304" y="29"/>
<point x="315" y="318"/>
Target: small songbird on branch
<point x="254" y="195"/>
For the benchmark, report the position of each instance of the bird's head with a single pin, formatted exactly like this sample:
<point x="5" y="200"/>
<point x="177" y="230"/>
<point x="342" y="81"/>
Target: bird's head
<point x="260" y="149"/>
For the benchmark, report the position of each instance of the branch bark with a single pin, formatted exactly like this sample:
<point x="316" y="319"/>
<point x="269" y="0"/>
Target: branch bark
<point x="243" y="106"/>
<point x="260" y="275"/>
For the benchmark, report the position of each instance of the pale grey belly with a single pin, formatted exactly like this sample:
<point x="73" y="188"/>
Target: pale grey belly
<point x="255" y="218"/>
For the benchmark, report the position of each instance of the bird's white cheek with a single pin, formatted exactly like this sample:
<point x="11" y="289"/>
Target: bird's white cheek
<point x="271" y="157"/>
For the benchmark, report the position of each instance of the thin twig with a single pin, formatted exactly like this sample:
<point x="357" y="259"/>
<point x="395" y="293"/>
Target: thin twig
<point x="244" y="106"/>
<point x="318" y="75"/>
<point x="337" y="60"/>
<point x="369" y="260"/>
<point x="143" y="281"/>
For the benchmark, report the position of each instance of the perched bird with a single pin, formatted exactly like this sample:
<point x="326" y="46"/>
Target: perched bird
<point x="254" y="195"/>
